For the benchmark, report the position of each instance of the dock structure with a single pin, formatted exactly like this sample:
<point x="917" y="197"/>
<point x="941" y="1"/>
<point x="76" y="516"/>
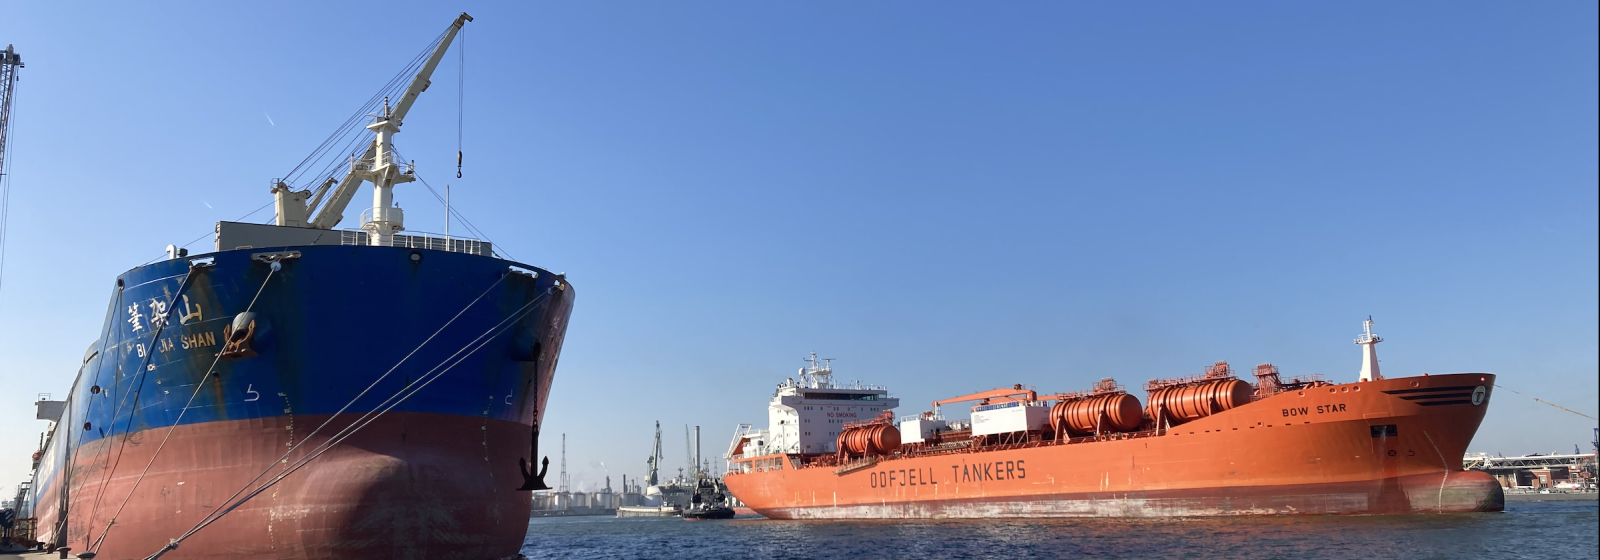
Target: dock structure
<point x="1538" y="472"/>
<point x="559" y="503"/>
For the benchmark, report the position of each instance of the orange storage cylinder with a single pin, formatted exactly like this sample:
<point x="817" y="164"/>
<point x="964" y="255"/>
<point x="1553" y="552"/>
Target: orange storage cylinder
<point x="1191" y="402"/>
<point x="1112" y="412"/>
<point x="874" y="439"/>
<point x="887" y="440"/>
<point x="1231" y="394"/>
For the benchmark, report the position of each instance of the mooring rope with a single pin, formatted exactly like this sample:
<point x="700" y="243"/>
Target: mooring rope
<point x="116" y="304"/>
<point x="138" y="389"/>
<point x="407" y="392"/>
<point x="198" y="386"/>
<point x="363" y="392"/>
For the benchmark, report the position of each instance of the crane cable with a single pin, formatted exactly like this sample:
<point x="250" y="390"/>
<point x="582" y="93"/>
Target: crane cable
<point x="461" y="94"/>
<point x="355" y="143"/>
<point x="175" y="422"/>
<point x="397" y="398"/>
<point x="1499" y="386"/>
<point x="352" y="123"/>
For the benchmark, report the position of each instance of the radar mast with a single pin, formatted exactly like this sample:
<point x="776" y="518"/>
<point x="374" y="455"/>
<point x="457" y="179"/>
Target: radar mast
<point x="1369" y="352"/>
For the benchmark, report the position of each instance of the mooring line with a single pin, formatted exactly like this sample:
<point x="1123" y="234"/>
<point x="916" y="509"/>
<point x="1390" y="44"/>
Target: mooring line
<point x="137" y="390"/>
<point x="405" y="393"/>
<point x="358" y="396"/>
<point x="197" y="387"/>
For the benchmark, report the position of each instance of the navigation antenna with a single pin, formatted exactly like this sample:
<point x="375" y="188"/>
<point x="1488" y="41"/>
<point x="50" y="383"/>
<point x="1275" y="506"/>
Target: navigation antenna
<point x="817" y="377"/>
<point x="9" y="63"/>
<point x="1369" y="353"/>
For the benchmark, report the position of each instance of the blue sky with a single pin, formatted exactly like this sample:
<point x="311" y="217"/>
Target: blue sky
<point x="945" y="197"/>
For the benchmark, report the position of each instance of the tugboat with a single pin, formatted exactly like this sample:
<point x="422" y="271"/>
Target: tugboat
<point x="709" y="502"/>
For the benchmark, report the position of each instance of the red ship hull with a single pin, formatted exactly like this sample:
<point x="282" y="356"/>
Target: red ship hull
<point x="413" y="485"/>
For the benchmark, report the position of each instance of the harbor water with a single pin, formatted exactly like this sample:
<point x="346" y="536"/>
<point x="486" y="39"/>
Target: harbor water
<point x="1534" y="530"/>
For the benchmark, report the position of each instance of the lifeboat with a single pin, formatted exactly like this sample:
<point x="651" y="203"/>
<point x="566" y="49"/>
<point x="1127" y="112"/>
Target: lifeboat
<point x="1108" y="412"/>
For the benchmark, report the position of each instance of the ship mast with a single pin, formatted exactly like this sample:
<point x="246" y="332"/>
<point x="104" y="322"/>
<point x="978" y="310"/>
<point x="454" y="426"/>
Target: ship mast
<point x="1369" y="353"/>
<point x="817" y="376"/>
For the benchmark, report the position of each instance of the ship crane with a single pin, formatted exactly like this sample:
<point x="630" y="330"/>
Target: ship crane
<point x="1003" y="394"/>
<point x="378" y="165"/>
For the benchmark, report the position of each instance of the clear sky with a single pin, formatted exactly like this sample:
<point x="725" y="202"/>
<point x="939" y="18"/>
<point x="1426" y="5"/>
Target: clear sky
<point x="946" y="197"/>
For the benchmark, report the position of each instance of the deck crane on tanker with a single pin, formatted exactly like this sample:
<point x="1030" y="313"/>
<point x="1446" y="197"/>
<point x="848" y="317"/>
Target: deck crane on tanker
<point x="1002" y="394"/>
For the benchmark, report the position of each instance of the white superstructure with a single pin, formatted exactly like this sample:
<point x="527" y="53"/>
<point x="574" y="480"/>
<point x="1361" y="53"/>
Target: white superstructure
<point x="806" y="415"/>
<point x="920" y="428"/>
<point x="1010" y="417"/>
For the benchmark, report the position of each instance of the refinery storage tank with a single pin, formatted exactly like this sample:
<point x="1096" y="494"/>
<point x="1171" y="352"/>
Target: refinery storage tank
<point x="1109" y="412"/>
<point x="871" y="439"/>
<point x="1177" y="404"/>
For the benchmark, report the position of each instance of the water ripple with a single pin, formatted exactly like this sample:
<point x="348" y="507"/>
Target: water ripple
<point x="1526" y="530"/>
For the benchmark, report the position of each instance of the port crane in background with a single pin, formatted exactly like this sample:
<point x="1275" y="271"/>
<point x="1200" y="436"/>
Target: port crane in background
<point x="652" y="478"/>
<point x="9" y="63"/>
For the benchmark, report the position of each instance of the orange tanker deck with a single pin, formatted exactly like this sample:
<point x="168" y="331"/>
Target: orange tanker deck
<point x="1386" y="446"/>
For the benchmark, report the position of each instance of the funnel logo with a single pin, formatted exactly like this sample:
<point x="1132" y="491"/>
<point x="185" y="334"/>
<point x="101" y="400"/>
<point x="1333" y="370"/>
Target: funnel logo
<point x="1479" y="394"/>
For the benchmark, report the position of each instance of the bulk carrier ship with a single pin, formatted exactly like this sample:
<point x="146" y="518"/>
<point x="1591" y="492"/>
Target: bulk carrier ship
<point x="1206" y="445"/>
<point x="310" y="392"/>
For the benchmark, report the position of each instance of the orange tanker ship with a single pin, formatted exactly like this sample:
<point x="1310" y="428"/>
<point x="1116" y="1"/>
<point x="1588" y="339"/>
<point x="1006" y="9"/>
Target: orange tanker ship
<point x="1206" y="445"/>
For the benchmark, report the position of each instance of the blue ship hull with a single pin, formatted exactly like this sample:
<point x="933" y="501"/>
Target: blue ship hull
<point x="167" y="420"/>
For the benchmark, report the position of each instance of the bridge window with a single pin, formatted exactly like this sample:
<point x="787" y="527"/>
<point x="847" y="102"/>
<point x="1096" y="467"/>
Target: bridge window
<point x="841" y="397"/>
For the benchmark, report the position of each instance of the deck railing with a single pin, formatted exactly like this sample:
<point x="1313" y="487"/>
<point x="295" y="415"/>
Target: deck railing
<point x="421" y="241"/>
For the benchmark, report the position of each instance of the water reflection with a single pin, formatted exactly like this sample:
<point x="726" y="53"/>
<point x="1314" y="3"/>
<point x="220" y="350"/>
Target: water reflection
<point x="1525" y="530"/>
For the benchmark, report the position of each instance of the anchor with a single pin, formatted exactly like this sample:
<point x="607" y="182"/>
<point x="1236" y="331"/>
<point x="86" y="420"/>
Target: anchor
<point x="530" y="480"/>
